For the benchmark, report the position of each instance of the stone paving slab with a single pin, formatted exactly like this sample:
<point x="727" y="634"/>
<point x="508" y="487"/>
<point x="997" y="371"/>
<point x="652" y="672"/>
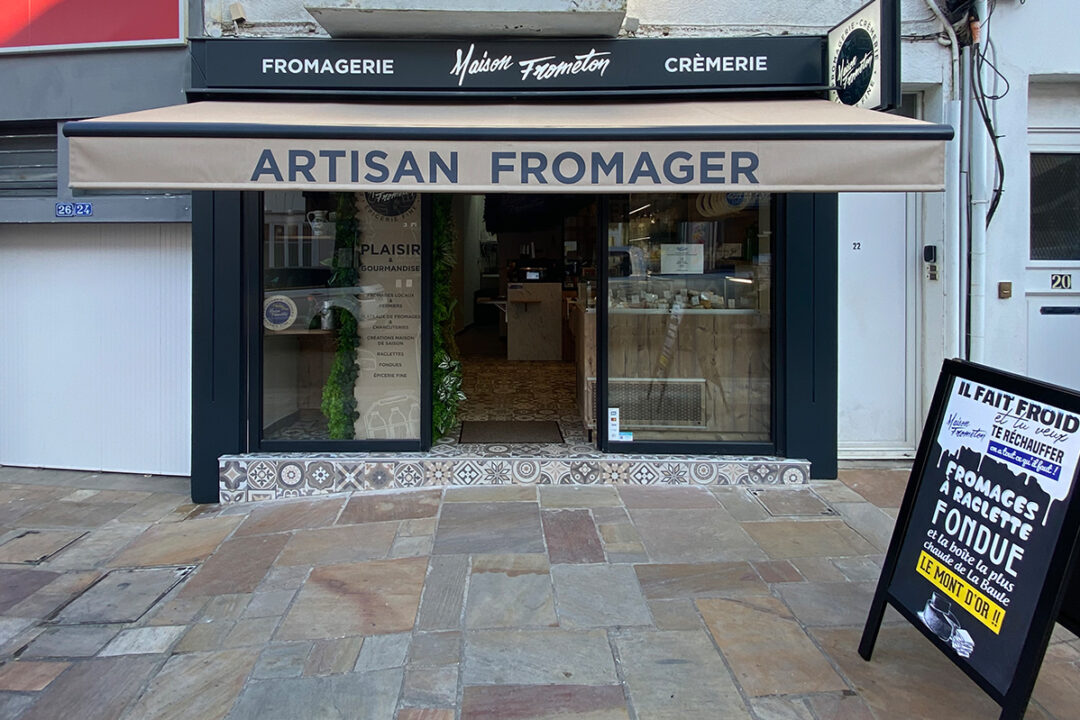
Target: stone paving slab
<point x="356" y="599"/>
<point x="769" y="653"/>
<point x="33" y="546"/>
<point x="672" y="675"/>
<point x="122" y="596"/>
<point x="538" y="657"/>
<point x="531" y="702"/>
<point x="520" y="601"/>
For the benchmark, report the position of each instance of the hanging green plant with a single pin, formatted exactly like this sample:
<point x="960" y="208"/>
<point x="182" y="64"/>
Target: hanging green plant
<point x="339" y="393"/>
<point x="446" y="365"/>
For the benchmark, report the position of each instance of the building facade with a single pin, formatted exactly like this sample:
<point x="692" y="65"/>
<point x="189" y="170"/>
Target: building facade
<point x="901" y="260"/>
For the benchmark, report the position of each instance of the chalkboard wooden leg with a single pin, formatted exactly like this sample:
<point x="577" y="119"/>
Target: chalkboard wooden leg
<point x="1015" y="706"/>
<point x="873" y="625"/>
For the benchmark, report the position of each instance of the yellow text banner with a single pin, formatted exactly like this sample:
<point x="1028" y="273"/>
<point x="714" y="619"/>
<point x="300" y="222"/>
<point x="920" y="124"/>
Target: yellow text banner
<point x="967" y="595"/>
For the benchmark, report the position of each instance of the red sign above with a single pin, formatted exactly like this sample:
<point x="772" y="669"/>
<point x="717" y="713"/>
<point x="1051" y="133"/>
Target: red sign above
<point x="55" y="24"/>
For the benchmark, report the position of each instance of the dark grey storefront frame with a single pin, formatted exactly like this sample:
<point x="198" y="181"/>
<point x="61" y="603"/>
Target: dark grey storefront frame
<point x="226" y="227"/>
<point x="226" y="341"/>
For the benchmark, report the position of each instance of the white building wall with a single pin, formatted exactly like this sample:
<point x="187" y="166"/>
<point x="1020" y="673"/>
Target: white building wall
<point x="1039" y="59"/>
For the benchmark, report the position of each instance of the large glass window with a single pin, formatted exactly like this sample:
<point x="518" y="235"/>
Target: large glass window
<point x="1055" y="206"/>
<point x="689" y="318"/>
<point x="341" y="316"/>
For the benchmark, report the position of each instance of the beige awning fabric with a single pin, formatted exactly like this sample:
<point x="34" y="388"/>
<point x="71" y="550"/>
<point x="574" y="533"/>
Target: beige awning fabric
<point x="760" y="145"/>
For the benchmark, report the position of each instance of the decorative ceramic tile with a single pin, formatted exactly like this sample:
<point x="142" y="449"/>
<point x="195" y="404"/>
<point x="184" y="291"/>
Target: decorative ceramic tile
<point x="261" y="475"/>
<point x="350" y="476"/>
<point x="232" y="475"/>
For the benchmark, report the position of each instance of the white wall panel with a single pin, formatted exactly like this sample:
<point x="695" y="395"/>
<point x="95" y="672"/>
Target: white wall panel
<point x="95" y="347"/>
<point x="876" y="334"/>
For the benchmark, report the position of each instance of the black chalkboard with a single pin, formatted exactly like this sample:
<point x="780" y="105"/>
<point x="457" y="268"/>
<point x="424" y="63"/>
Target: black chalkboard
<point x="986" y="537"/>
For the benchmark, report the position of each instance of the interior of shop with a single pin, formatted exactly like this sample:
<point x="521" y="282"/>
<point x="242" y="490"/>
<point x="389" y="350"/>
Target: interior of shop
<point x="688" y="333"/>
<point x="689" y="299"/>
<point x="525" y="261"/>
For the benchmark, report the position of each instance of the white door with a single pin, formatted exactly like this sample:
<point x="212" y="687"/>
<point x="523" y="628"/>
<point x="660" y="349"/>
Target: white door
<point x="1052" y="276"/>
<point x="876" y="379"/>
<point x="95" y="347"/>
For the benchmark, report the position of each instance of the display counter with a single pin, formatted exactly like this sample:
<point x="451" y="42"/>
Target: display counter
<point x="720" y="359"/>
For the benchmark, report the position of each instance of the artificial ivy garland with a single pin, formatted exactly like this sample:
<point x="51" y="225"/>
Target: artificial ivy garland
<point x="445" y="366"/>
<point x="338" y="397"/>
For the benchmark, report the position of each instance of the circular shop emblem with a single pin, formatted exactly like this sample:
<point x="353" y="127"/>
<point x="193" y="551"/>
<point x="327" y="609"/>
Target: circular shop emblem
<point x="853" y="66"/>
<point x="390" y="204"/>
<point x="279" y="312"/>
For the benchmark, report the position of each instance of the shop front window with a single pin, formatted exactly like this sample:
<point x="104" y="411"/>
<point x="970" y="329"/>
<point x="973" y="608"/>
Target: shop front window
<point x="689" y="318"/>
<point x="341" y="316"/>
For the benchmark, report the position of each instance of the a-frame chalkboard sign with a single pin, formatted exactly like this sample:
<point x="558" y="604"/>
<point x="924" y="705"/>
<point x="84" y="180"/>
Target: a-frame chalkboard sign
<point x="986" y="538"/>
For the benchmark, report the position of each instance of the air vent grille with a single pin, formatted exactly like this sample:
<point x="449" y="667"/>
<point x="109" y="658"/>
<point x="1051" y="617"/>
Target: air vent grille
<point x="658" y="402"/>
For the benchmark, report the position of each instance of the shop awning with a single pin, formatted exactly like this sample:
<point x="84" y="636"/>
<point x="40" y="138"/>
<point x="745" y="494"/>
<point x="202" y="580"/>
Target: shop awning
<point x="760" y="145"/>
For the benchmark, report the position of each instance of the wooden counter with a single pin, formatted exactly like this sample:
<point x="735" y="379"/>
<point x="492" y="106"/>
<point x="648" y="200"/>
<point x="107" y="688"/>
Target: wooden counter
<point x="726" y="351"/>
<point x="534" y="321"/>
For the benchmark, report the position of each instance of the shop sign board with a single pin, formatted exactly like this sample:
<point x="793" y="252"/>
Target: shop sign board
<point x="481" y="166"/>
<point x="40" y="25"/>
<point x="864" y="57"/>
<point x="500" y="66"/>
<point x="986" y="536"/>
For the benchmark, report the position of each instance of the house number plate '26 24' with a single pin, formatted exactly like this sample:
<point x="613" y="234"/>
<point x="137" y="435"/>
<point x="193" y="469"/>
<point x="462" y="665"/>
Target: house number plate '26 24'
<point x="74" y="209"/>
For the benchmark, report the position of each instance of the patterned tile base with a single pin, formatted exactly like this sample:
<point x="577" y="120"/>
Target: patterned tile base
<point x="281" y="475"/>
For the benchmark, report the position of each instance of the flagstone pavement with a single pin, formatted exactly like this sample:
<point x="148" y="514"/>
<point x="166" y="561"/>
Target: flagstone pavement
<point x="119" y="599"/>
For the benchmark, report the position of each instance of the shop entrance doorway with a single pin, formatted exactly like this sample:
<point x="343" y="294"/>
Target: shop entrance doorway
<point x="524" y="277"/>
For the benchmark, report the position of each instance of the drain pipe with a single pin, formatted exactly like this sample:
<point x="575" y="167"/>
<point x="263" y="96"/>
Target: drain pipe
<point x="980" y="203"/>
<point x="963" y="245"/>
<point x="954" y="208"/>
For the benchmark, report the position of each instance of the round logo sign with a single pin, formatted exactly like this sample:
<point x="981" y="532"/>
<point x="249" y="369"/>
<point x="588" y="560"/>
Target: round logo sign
<point x="279" y="312"/>
<point x="390" y="204"/>
<point x="854" y="66"/>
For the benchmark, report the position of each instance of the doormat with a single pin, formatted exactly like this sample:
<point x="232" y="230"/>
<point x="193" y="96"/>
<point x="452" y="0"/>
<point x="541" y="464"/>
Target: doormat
<point x="510" y="431"/>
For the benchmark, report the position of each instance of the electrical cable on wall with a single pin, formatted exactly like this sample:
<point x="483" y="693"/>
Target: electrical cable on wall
<point x="981" y="43"/>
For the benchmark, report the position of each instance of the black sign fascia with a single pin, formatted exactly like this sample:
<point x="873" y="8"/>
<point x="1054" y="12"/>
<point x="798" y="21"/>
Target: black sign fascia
<point x="961" y="565"/>
<point x="490" y="67"/>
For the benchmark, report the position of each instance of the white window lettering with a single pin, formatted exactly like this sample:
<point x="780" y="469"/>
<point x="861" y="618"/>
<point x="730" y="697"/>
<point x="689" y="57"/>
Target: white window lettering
<point x="712" y="63"/>
<point x="311" y="66"/>
<point x="267" y="63"/>
<point x="729" y="64"/>
<point x="296" y="66"/>
<point x="684" y="64"/>
<point x="699" y="63"/>
<point x="762" y="63"/>
<point x="669" y="64"/>
<point x="279" y="65"/>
